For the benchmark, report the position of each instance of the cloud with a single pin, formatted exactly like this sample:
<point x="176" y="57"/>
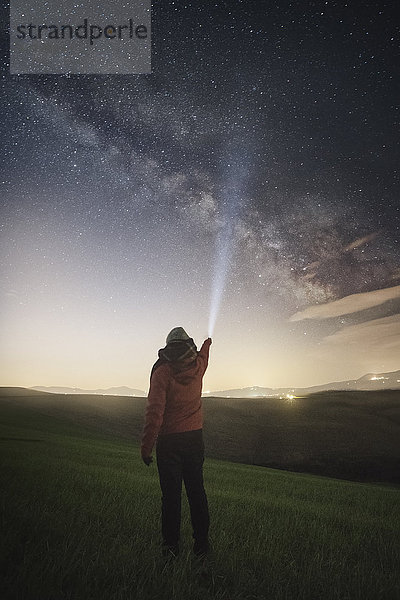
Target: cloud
<point x="349" y="304"/>
<point x="372" y="346"/>
<point x="328" y="246"/>
<point x="360" y="241"/>
<point x="309" y="276"/>
<point x="379" y="335"/>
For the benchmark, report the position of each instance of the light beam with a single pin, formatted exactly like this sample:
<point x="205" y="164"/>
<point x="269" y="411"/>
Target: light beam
<point x="225" y="244"/>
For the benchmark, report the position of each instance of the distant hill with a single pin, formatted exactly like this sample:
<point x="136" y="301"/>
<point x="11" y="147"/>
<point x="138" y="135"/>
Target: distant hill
<point x="369" y="382"/>
<point x="248" y="392"/>
<point x="113" y="391"/>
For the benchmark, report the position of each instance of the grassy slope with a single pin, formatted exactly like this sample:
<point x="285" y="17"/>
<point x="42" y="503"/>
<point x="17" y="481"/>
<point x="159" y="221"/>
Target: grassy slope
<point x="352" y="435"/>
<point x="80" y="520"/>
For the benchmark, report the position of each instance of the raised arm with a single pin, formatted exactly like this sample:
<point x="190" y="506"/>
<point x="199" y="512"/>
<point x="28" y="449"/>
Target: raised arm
<point x="204" y="353"/>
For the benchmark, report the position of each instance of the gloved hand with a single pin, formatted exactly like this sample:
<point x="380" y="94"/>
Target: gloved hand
<point x="147" y="460"/>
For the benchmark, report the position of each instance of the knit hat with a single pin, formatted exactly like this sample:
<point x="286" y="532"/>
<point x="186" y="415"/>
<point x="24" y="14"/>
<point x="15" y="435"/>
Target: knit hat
<point x="178" y="333"/>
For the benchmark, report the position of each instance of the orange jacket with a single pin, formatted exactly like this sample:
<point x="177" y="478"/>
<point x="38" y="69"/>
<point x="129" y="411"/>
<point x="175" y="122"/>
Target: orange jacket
<point x="174" y="400"/>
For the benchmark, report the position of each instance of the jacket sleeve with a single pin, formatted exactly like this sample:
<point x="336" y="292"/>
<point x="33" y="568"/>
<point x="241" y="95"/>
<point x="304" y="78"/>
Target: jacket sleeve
<point x="204" y="354"/>
<point x="156" y="400"/>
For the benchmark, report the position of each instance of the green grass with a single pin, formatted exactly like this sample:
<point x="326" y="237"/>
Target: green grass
<point x="346" y="435"/>
<point x="80" y="521"/>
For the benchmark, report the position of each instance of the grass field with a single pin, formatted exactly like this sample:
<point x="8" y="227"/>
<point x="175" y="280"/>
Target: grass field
<point x="346" y="435"/>
<point x="80" y="521"/>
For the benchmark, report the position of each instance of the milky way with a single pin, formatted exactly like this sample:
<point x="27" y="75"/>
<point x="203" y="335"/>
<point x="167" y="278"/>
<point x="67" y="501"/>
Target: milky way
<point x="276" y="123"/>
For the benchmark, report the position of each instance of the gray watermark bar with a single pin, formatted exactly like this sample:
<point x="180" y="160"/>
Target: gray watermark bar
<point x="94" y="37"/>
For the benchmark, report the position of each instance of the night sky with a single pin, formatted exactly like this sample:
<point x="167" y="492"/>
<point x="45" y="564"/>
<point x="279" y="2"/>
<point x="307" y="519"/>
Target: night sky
<point x="267" y="133"/>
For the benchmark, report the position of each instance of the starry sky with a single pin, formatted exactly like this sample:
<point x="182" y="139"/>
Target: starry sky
<point x="261" y="152"/>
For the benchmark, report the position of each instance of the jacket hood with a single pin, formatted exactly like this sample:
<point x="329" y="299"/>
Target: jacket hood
<point x="178" y="351"/>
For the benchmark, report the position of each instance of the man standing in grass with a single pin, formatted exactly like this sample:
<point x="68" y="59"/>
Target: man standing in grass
<point x="174" y="418"/>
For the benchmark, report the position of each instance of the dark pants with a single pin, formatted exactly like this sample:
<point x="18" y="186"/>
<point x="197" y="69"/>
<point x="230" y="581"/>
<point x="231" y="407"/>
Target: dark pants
<point x="181" y="456"/>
